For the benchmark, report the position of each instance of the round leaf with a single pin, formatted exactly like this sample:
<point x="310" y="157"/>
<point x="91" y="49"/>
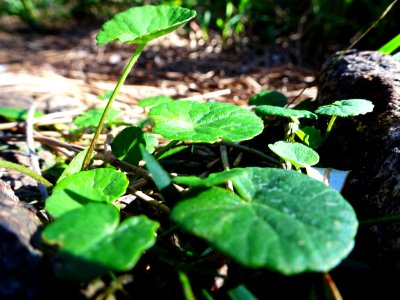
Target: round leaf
<point x="142" y="24"/>
<point x="204" y="122"/>
<point x="92" y="117"/>
<point x="269" y="110"/>
<point x="269" y="97"/>
<point x="346" y="108"/>
<point x="152" y="101"/>
<point x="91" y="242"/>
<point x="291" y="224"/>
<point x="99" y="185"/>
<point x="125" y="146"/>
<point x="297" y="154"/>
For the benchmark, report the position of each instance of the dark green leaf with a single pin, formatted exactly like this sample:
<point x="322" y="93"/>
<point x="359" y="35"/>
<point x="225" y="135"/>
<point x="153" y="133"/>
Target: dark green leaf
<point x="269" y="97"/>
<point x="92" y="242"/>
<point x="125" y="145"/>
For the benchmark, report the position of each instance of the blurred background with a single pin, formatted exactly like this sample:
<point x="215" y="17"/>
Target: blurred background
<point x="312" y="29"/>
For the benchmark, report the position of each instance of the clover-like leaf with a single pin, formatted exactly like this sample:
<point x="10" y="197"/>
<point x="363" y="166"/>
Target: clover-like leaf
<point x="92" y="242"/>
<point x="125" y="145"/>
<point x="269" y="110"/>
<point x="346" y="108"/>
<point x="98" y="185"/>
<point x="297" y="154"/>
<point x="92" y="117"/>
<point x="291" y="224"/>
<point x="269" y="97"/>
<point x="204" y="122"/>
<point x="142" y="24"/>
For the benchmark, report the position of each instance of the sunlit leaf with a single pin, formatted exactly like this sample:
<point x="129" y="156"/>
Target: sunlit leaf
<point x="297" y="154"/>
<point x="141" y="24"/>
<point x="291" y="224"/>
<point x="98" y="185"/>
<point x="346" y="108"/>
<point x="204" y="122"/>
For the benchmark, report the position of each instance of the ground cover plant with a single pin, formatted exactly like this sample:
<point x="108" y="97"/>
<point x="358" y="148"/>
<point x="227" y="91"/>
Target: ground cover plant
<point x="238" y="217"/>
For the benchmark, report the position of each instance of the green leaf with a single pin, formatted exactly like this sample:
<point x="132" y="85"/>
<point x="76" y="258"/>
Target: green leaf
<point x="153" y="101"/>
<point x="173" y="151"/>
<point x="142" y="24"/>
<point x="125" y="145"/>
<point x="204" y="122"/>
<point x="291" y="224"/>
<point x="268" y="110"/>
<point x="160" y="176"/>
<point x="310" y="136"/>
<point x="16" y="114"/>
<point x="297" y="154"/>
<point x="241" y="292"/>
<point x="346" y="108"/>
<point x="151" y="142"/>
<point x="269" y="97"/>
<point x="93" y="116"/>
<point x="99" y="185"/>
<point x="391" y="46"/>
<point x="92" y="243"/>
<point x="74" y="166"/>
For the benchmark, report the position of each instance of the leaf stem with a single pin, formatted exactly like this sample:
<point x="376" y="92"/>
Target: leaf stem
<point x="330" y="125"/>
<point x="164" y="149"/>
<point x="26" y="171"/>
<point x="187" y="289"/>
<point x="387" y="219"/>
<point x="121" y="81"/>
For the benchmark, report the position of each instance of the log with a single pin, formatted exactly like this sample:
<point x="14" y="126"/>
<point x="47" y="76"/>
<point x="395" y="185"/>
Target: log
<point x="368" y="145"/>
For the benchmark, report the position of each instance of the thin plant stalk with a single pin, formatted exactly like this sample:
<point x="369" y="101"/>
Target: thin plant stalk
<point x="121" y="81"/>
<point x="187" y="289"/>
<point x="26" y="171"/>
<point x="330" y="125"/>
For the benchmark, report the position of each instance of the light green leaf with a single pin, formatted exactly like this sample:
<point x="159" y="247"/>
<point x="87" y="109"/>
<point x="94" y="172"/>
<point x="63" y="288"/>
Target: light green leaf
<point x="92" y="117"/>
<point x="153" y="101"/>
<point x="204" y="122"/>
<point x="16" y="114"/>
<point x="391" y="46"/>
<point x="291" y="224"/>
<point x="297" y="154"/>
<point x="142" y="24"/>
<point x="98" y="185"/>
<point x="151" y="142"/>
<point x="346" y="108"/>
<point x="125" y="145"/>
<point x="269" y="110"/>
<point x="269" y="97"/>
<point x="74" y="166"/>
<point x="92" y="242"/>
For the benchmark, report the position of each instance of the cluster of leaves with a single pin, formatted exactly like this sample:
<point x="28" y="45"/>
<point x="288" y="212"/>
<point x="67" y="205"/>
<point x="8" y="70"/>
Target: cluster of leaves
<point x="273" y="218"/>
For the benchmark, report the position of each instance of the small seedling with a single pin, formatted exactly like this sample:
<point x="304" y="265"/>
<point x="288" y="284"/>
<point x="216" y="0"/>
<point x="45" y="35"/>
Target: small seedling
<point x="344" y="108"/>
<point x="138" y="25"/>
